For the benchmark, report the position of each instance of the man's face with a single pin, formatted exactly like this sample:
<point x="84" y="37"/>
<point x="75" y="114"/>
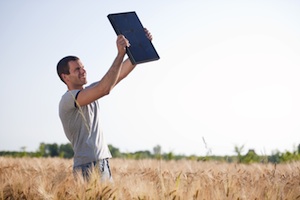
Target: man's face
<point x="77" y="77"/>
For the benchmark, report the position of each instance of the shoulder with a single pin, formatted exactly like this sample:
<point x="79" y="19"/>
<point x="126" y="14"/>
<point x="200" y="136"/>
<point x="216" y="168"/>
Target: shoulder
<point x="70" y="95"/>
<point x="68" y="99"/>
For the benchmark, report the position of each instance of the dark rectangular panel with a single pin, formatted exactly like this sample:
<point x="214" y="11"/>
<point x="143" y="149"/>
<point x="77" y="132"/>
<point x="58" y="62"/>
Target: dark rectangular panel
<point x="141" y="48"/>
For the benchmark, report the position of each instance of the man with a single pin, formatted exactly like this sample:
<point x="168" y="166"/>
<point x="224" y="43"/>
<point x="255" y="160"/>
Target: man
<point x="79" y="109"/>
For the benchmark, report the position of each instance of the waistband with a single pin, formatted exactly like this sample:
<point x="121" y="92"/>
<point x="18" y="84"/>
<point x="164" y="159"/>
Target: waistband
<point x="90" y="164"/>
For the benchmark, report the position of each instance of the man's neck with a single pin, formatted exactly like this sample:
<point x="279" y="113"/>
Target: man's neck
<point x="75" y="88"/>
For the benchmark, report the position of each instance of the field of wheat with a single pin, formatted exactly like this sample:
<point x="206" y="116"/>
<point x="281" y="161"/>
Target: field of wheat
<point x="52" y="178"/>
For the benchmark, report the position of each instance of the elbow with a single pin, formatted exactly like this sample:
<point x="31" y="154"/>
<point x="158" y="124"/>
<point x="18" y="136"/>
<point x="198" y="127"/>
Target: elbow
<point x="107" y="91"/>
<point x="103" y="88"/>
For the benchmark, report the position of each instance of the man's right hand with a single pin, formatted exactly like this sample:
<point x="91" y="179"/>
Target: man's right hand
<point x="122" y="43"/>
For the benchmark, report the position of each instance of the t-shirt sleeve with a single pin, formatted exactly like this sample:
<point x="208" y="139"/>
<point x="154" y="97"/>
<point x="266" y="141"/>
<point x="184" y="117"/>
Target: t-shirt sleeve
<point x="75" y="103"/>
<point x="68" y="101"/>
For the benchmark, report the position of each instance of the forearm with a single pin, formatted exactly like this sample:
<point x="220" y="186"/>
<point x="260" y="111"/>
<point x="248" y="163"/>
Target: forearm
<point x="127" y="67"/>
<point x="111" y="78"/>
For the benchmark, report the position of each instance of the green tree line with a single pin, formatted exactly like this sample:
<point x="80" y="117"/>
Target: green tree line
<point x="66" y="151"/>
<point x="44" y="150"/>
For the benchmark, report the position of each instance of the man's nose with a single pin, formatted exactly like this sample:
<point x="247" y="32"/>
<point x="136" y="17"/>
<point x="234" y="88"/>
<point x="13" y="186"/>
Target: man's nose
<point x="82" y="70"/>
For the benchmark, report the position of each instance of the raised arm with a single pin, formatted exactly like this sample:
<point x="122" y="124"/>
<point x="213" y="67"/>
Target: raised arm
<point x="117" y="72"/>
<point x="127" y="66"/>
<point x="109" y="80"/>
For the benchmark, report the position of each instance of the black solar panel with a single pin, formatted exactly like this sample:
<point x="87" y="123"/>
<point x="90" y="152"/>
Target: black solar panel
<point x="141" y="48"/>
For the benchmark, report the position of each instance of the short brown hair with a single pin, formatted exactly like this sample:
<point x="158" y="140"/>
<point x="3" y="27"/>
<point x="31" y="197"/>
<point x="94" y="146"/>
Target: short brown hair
<point x="63" y="66"/>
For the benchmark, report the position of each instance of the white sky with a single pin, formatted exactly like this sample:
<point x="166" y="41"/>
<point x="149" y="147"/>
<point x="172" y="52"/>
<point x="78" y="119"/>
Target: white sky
<point x="229" y="73"/>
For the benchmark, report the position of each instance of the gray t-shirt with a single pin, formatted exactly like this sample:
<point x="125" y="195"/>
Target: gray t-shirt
<point x="82" y="128"/>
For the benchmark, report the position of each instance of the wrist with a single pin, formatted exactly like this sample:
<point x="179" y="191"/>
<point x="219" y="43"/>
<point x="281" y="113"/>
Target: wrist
<point x="121" y="53"/>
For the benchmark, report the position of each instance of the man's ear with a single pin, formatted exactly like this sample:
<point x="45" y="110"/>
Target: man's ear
<point x="64" y="77"/>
